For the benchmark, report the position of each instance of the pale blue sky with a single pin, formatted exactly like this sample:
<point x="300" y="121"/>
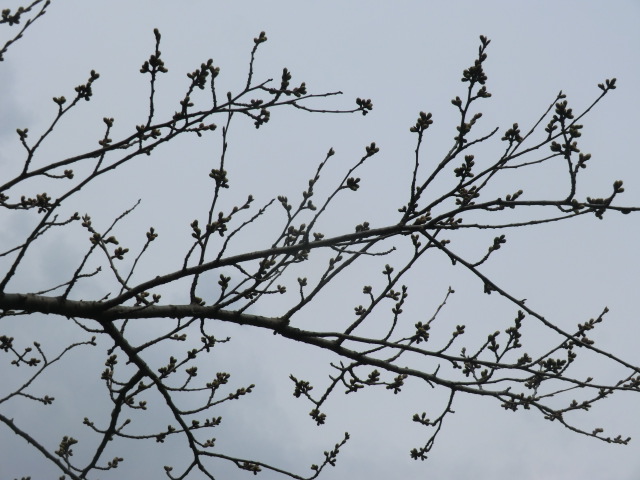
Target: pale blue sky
<point x="406" y="56"/>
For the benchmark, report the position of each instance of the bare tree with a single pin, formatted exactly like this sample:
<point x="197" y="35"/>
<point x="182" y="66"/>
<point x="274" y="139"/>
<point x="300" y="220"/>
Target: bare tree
<point x="429" y="221"/>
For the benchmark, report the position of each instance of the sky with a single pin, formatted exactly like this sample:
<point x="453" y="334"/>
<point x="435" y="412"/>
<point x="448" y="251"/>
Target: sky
<point x="407" y="56"/>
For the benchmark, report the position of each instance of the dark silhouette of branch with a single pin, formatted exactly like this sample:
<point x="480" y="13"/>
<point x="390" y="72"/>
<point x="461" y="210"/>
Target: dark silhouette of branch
<point x="404" y="350"/>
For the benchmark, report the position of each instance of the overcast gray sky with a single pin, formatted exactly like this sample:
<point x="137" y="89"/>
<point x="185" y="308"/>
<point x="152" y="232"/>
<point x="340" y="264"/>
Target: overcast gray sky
<point x="406" y="56"/>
